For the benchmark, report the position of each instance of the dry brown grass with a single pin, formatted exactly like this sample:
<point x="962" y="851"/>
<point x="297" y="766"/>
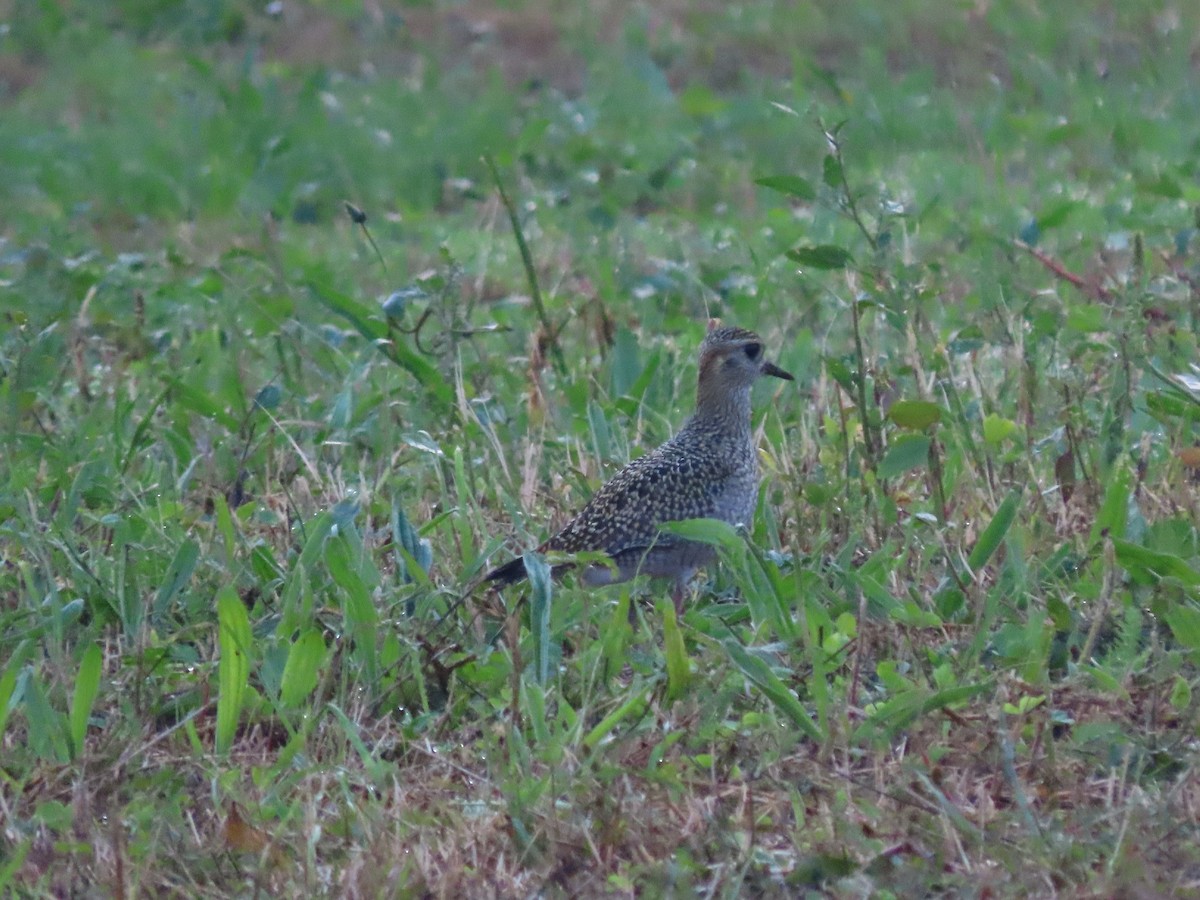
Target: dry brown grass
<point x="937" y="804"/>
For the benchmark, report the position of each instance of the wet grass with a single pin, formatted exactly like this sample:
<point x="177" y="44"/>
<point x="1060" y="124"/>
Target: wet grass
<point x="256" y="453"/>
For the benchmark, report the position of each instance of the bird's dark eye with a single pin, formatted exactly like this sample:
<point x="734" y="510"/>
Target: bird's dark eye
<point x="753" y="351"/>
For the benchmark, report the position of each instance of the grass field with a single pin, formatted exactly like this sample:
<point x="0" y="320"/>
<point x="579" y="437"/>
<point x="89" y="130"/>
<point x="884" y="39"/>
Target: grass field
<point x="257" y="451"/>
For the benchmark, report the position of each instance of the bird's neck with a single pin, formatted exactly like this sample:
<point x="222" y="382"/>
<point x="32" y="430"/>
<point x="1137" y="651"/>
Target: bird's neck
<point x="720" y="404"/>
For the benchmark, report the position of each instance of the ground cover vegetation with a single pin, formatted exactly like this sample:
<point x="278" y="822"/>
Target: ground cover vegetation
<point x="313" y="310"/>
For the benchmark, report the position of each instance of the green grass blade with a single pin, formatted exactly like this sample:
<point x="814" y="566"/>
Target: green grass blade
<point x="376" y="769"/>
<point x="901" y="711"/>
<point x="48" y="732"/>
<point x="144" y="426"/>
<point x="183" y="564"/>
<point x="633" y="708"/>
<point x="1114" y="509"/>
<point x="368" y="322"/>
<point x="679" y="670"/>
<point x="771" y="591"/>
<point x="534" y="703"/>
<point x="227" y="531"/>
<point x="314" y="544"/>
<point x="358" y="607"/>
<point x="87" y="687"/>
<point x="233" y="670"/>
<point x="615" y="634"/>
<point x="10" y="867"/>
<point x="989" y="542"/>
<point x="539" y="614"/>
<point x="1150" y="566"/>
<point x="756" y="669"/>
<point x="8" y="681"/>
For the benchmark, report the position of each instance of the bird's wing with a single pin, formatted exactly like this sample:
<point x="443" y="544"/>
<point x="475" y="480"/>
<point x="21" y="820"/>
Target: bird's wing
<point x="667" y="485"/>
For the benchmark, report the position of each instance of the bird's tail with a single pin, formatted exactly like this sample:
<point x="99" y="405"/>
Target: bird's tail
<point x="509" y="573"/>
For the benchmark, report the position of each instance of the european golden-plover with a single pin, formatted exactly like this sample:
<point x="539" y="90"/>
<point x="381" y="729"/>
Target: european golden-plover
<point x="708" y="470"/>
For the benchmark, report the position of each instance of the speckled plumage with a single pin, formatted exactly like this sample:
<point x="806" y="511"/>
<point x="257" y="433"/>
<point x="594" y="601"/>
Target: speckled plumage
<point x="708" y="470"/>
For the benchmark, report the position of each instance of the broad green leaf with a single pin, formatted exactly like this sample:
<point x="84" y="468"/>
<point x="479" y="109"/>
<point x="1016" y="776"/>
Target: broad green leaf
<point x="263" y="564"/>
<point x="233" y="671"/>
<point x="303" y="668"/>
<point x="713" y="532"/>
<point x="364" y="318"/>
<point x="912" y="615"/>
<point x="1106" y="681"/>
<point x="1149" y="566"/>
<point x="967" y="340"/>
<point x="1114" y="510"/>
<point x="344" y="513"/>
<point x="1167" y="405"/>
<point x="876" y="593"/>
<point x="818" y="493"/>
<point x="831" y="171"/>
<point x="1161" y="185"/>
<point x="821" y="256"/>
<point x="1185" y="625"/>
<point x="909" y="451"/>
<point x="847" y="625"/>
<point x="198" y="401"/>
<point x="996" y="428"/>
<point x="268" y="397"/>
<point x="915" y="414"/>
<point x="1059" y="612"/>
<point x="1057" y="214"/>
<point x="1181" y="694"/>
<point x="699" y="101"/>
<point x="792" y="185"/>
<point x="87" y="687"/>
<point x="841" y="372"/>
<point x="298" y="601"/>
<point x="1086" y="318"/>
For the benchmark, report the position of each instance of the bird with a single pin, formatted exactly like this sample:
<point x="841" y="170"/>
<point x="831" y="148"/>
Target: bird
<point x="709" y="469"/>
